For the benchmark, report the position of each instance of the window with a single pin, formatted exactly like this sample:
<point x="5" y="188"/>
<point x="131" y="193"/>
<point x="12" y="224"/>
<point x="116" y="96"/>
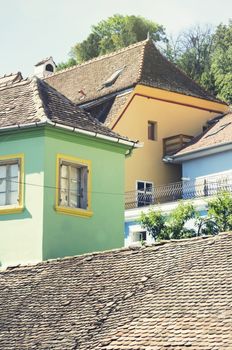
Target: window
<point x="111" y="80"/>
<point x="140" y="236"/>
<point x="152" y="130"/>
<point x="11" y="183"/>
<point x="49" y="68"/>
<point x="145" y="195"/>
<point x="73" y="186"/>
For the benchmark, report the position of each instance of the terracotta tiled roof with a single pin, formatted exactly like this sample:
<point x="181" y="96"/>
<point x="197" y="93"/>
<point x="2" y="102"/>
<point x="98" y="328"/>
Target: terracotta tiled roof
<point x="138" y="63"/>
<point x="175" y="296"/>
<point x="219" y="133"/>
<point x="10" y="79"/>
<point x="34" y="100"/>
<point x="107" y="111"/>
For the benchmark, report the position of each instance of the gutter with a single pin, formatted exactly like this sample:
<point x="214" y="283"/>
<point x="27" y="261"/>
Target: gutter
<point x="132" y="144"/>
<point x="206" y="151"/>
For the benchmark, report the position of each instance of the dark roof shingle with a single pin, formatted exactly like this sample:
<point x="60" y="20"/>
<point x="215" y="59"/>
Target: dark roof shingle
<point x="140" y="63"/>
<point x="31" y="101"/>
<point x="172" y="296"/>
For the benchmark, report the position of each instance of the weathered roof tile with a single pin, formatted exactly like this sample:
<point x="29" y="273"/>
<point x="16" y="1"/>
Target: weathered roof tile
<point x="33" y="100"/>
<point x="219" y="133"/>
<point x="138" y="63"/>
<point x="102" y="301"/>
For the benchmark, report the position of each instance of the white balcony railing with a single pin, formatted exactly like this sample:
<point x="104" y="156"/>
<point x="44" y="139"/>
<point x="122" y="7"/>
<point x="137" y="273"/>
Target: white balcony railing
<point x="197" y="188"/>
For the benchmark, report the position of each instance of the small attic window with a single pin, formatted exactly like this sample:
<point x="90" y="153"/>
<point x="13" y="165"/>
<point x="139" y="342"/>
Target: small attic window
<point x="49" y="68"/>
<point x="111" y="80"/>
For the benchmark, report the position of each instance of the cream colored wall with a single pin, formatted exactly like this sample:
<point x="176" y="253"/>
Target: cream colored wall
<point x="146" y="163"/>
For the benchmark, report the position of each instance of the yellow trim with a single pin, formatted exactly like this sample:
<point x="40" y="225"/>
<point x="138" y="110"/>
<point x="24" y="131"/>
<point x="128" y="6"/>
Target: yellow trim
<point x="180" y="98"/>
<point x="67" y="210"/>
<point x="12" y="209"/>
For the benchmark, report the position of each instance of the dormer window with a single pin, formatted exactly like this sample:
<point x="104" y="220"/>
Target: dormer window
<point x="45" y="68"/>
<point x="49" y="68"/>
<point x="111" y="80"/>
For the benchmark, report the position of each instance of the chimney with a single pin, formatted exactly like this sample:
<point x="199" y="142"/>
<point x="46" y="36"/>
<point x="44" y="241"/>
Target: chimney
<point x="45" y="68"/>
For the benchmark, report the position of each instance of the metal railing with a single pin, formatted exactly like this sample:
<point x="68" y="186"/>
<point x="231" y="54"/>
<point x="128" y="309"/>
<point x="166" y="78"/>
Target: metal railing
<point x="203" y="187"/>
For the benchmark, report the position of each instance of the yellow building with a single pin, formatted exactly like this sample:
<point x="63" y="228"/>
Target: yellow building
<point x="140" y="94"/>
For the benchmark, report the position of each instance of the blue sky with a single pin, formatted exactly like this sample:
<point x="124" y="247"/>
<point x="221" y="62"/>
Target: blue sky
<point x="33" y="29"/>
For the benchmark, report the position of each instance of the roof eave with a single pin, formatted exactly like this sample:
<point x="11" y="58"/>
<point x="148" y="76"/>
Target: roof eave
<point x="117" y="140"/>
<point x="201" y="152"/>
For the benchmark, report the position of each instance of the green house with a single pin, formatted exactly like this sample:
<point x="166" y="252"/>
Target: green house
<point x="61" y="177"/>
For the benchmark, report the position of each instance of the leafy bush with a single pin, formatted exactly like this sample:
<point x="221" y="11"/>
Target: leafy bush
<point x="174" y="226"/>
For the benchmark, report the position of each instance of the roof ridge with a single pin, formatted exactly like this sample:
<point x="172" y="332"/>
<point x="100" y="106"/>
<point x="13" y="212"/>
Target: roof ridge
<point x="38" y="101"/>
<point x="91" y="255"/>
<point x="14" y="84"/>
<point x="10" y="75"/>
<point x="187" y="76"/>
<point x="99" y="58"/>
<point x="142" y="58"/>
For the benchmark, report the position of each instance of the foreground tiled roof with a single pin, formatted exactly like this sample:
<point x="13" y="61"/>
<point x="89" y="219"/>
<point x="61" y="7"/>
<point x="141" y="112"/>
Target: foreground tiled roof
<point x="31" y="101"/>
<point x="176" y="296"/>
<point x="219" y="133"/>
<point x="140" y="63"/>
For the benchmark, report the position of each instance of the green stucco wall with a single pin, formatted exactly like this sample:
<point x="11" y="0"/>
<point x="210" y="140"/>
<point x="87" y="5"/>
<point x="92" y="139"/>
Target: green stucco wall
<point x="21" y="233"/>
<point x="39" y="232"/>
<point x="66" y="235"/>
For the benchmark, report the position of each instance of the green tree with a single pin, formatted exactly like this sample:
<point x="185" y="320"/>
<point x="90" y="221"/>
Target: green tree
<point x="176" y="224"/>
<point x="191" y="51"/>
<point x="62" y="65"/>
<point x="206" y="56"/>
<point x="114" y="33"/>
<point x="219" y="217"/>
<point x="221" y="65"/>
<point x="154" y="223"/>
<point x="161" y="226"/>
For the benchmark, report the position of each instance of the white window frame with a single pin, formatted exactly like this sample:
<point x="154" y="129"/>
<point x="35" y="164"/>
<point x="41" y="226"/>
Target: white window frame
<point x="149" y="194"/>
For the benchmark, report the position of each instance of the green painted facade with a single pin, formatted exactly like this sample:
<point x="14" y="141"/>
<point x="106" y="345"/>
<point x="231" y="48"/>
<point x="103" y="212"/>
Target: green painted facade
<point x="40" y="232"/>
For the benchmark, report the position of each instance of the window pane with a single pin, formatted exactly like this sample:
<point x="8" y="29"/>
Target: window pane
<point x="2" y="198"/>
<point x="140" y="186"/>
<point x="64" y="171"/>
<point x="73" y="201"/>
<point x="2" y="171"/>
<point x="148" y="187"/>
<point x="74" y="184"/>
<point x="2" y="185"/>
<point x="151" y="130"/>
<point x="64" y="192"/>
<point x="64" y="198"/>
<point x="64" y="184"/>
<point x="73" y="172"/>
<point x="13" y="197"/>
<point x="13" y="185"/>
<point x="13" y="170"/>
<point x="84" y="188"/>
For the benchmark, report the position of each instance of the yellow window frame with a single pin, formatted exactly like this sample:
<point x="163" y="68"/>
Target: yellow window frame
<point x="69" y="210"/>
<point x="15" y="208"/>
